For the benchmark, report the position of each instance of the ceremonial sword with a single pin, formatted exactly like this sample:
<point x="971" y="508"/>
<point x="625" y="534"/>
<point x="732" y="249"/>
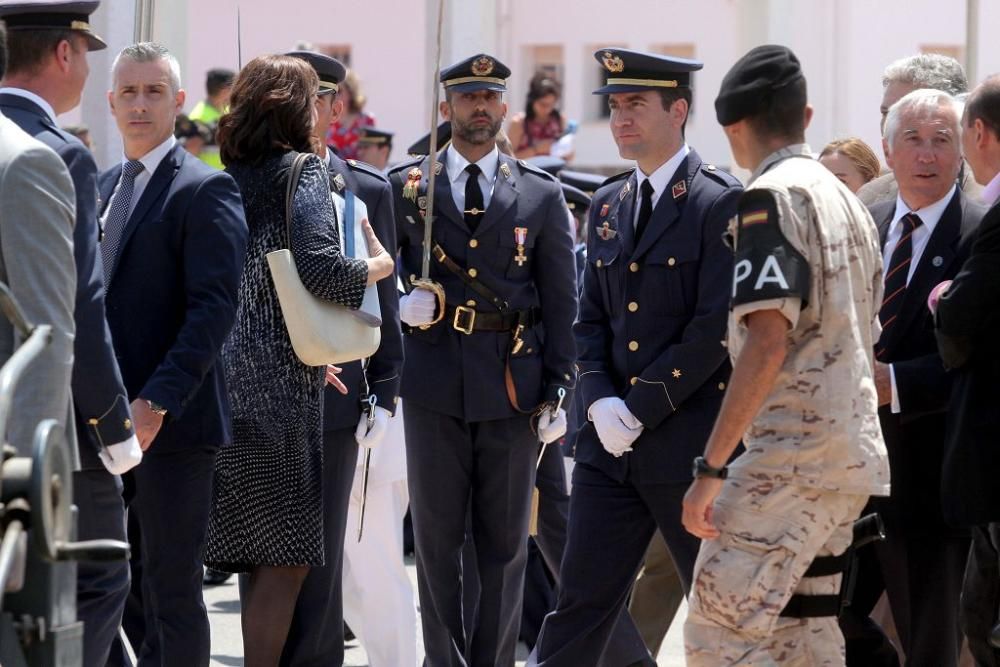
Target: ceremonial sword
<point x="425" y="262"/>
<point x="535" y="496"/>
<point x="372" y="399"/>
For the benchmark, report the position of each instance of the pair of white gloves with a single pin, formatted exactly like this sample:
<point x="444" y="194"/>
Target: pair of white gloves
<point x="617" y="428"/>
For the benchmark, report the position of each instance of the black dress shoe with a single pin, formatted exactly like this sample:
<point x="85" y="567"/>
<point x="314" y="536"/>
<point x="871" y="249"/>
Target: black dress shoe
<point x="215" y="577"/>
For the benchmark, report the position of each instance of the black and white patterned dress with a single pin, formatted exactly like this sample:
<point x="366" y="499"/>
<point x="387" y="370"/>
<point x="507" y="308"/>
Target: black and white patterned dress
<point x="267" y="505"/>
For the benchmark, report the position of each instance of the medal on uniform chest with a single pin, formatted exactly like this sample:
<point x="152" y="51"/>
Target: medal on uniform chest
<point x="679" y="190"/>
<point x="412" y="184"/>
<point x="605" y="232"/>
<point x="422" y="204"/>
<point x="520" y="237"/>
<point x="604" y="210"/>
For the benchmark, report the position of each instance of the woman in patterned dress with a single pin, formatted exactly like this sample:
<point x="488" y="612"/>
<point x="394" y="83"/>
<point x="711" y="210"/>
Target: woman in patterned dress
<point x="536" y="130"/>
<point x="266" y="517"/>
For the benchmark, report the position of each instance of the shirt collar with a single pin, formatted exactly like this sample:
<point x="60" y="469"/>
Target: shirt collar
<point x="930" y="215"/>
<point x="151" y="160"/>
<point x="793" y="150"/>
<point x="991" y="193"/>
<point x="32" y="97"/>
<point x="660" y="178"/>
<point x="456" y="164"/>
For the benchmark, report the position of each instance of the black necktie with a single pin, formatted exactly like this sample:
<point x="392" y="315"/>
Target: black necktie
<point x="895" y="278"/>
<point x="114" y="223"/>
<point x="474" y="207"/>
<point x="645" y="209"/>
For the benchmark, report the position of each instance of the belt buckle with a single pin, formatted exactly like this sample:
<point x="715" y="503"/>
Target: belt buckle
<point x="456" y="322"/>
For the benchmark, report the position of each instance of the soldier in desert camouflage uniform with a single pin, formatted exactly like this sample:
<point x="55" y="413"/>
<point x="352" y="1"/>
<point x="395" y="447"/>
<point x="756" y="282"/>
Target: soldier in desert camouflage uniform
<point x="807" y="284"/>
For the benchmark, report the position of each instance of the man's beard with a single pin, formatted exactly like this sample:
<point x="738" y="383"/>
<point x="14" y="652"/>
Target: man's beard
<point x="476" y="135"/>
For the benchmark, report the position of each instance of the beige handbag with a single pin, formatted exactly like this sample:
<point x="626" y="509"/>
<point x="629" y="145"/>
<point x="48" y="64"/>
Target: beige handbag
<point x="322" y="332"/>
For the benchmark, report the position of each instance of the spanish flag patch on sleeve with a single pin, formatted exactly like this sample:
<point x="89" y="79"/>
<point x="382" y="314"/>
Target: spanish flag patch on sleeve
<point x="753" y="217"/>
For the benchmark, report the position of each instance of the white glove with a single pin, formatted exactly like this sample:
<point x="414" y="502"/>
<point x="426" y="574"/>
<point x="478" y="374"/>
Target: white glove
<point x="417" y="307"/>
<point x="379" y="428"/>
<point x="616" y="426"/>
<point x="551" y="428"/>
<point x="121" y="457"/>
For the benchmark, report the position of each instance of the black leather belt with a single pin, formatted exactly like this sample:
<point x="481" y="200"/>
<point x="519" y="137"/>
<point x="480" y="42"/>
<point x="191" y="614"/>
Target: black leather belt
<point x="469" y="320"/>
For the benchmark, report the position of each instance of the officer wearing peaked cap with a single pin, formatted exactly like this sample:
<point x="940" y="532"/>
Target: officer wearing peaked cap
<point x="316" y="636"/>
<point x="652" y="367"/>
<point x="483" y="371"/>
<point x="805" y="294"/>
<point x="36" y="89"/>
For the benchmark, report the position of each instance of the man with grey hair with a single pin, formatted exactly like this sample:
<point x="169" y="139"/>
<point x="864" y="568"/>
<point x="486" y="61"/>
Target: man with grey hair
<point x="926" y="234"/>
<point x="174" y="238"/>
<point x="48" y="45"/>
<point x="924" y="70"/>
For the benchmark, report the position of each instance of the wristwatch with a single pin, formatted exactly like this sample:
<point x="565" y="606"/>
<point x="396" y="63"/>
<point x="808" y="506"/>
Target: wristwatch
<point x="156" y="408"/>
<point x="703" y="468"/>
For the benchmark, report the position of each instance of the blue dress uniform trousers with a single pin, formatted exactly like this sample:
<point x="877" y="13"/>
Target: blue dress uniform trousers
<point x="486" y="468"/>
<point x="470" y="449"/>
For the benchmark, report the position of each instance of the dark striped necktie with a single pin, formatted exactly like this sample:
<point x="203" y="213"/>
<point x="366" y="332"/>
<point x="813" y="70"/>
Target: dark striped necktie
<point x="895" y="279"/>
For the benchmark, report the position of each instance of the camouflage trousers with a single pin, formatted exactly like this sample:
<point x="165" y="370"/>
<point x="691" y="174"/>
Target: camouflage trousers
<point x="771" y="532"/>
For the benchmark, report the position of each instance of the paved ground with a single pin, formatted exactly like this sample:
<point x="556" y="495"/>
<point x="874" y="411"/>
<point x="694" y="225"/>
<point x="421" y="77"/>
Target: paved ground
<point x="227" y="646"/>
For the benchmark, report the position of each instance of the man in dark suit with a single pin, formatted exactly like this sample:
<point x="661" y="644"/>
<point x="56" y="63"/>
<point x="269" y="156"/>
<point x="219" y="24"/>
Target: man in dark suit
<point x="652" y="369"/>
<point x="174" y="237"/>
<point x="48" y="45"/>
<point x="968" y="317"/>
<point x="926" y="233"/>
<point x="495" y="348"/>
<point x="316" y="635"/>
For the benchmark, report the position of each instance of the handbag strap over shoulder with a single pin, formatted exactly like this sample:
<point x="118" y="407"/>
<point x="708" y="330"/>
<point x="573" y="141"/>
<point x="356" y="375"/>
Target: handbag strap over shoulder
<point x="293" y="182"/>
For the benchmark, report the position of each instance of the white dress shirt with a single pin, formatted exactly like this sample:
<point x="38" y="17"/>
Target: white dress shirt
<point x="455" y="165"/>
<point x="31" y="97"/>
<point x="150" y="162"/>
<point x="659" y="179"/>
<point x="930" y="216"/>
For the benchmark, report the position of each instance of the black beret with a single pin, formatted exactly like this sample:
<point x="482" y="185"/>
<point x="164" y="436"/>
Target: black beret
<point x="582" y="180"/>
<point x="547" y="163"/>
<point x="746" y="89"/>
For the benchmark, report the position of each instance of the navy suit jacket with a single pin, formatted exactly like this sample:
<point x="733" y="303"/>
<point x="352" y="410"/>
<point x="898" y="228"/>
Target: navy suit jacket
<point x="102" y="414"/>
<point x="968" y="318"/>
<point x="386" y="365"/>
<point x="463" y="375"/>
<point x="915" y="437"/>
<point x="172" y="295"/>
<point x="653" y="318"/>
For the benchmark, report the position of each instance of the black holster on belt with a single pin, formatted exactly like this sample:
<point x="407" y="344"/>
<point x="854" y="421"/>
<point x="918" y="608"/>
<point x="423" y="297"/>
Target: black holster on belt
<point x="866" y="529"/>
<point x="464" y="319"/>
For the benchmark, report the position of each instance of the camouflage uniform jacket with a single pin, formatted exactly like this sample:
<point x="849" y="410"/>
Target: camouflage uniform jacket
<point x="807" y="247"/>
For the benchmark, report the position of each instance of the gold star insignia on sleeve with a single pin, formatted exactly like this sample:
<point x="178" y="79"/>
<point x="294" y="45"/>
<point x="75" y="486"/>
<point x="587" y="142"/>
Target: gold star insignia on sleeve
<point x="677" y="373"/>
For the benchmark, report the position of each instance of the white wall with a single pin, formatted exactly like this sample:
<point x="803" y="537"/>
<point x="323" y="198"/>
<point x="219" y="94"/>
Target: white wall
<point x="843" y="45"/>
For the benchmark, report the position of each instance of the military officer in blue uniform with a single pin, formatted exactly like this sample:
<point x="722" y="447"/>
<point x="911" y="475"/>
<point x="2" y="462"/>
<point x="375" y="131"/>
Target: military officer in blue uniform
<point x="316" y="635"/>
<point x="652" y="365"/>
<point x="483" y="372"/>
<point x="42" y="36"/>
